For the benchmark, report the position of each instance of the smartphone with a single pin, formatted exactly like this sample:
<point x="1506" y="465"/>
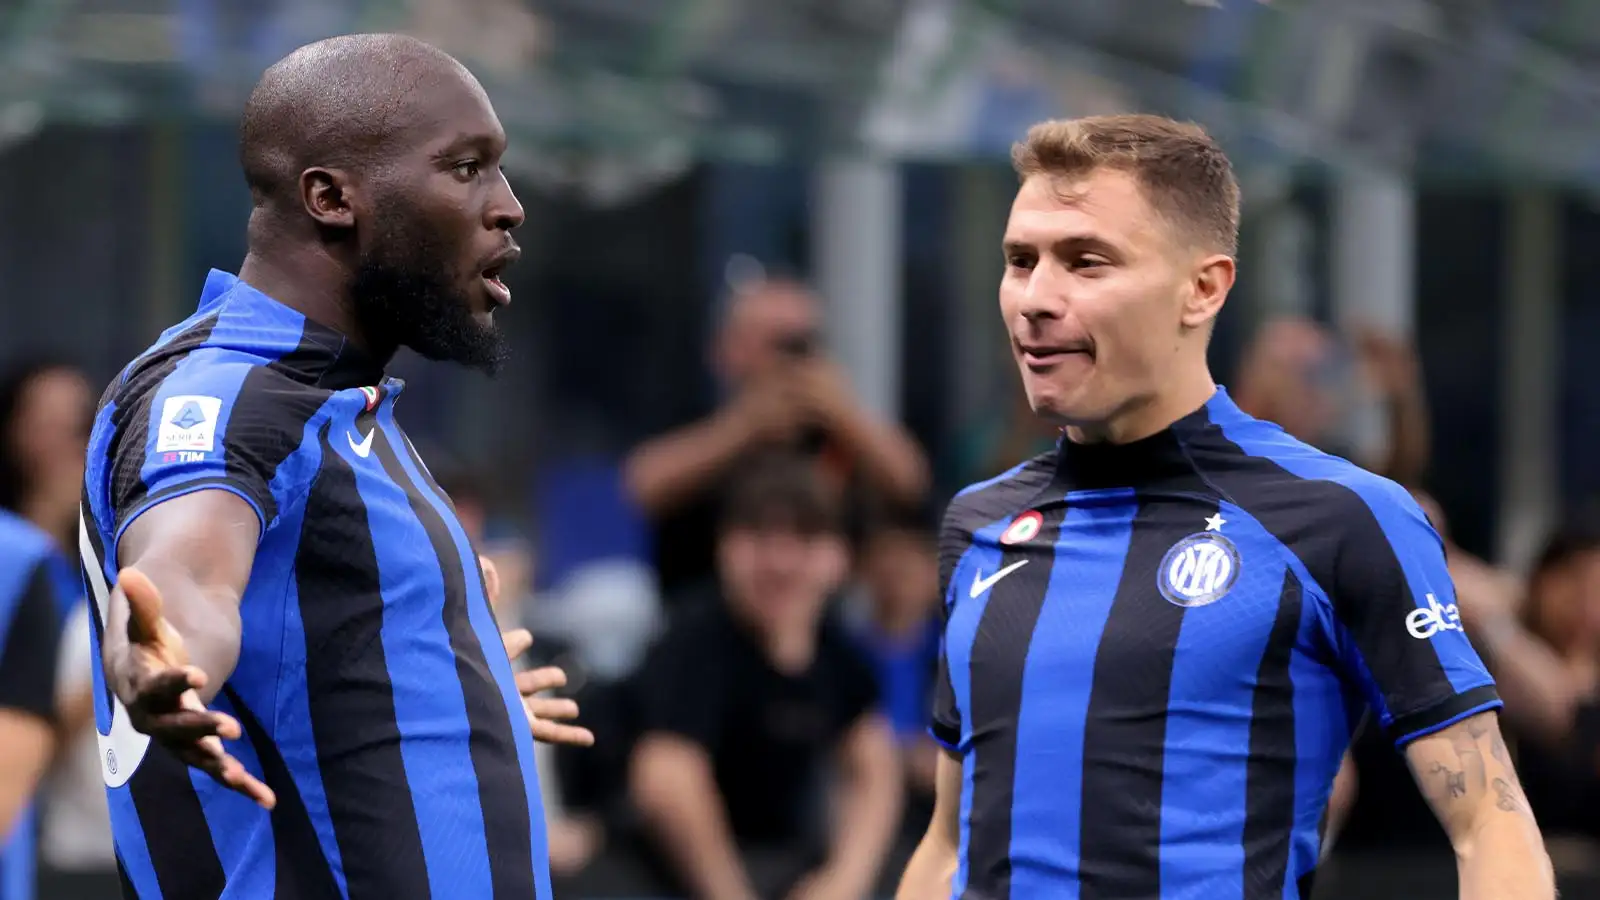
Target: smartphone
<point x="799" y="345"/>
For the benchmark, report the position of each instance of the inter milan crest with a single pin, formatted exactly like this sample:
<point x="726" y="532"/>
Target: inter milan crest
<point x="1023" y="528"/>
<point x="1198" y="570"/>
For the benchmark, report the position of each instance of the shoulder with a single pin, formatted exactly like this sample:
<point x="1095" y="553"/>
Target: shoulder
<point x="1000" y="497"/>
<point x="1264" y="470"/>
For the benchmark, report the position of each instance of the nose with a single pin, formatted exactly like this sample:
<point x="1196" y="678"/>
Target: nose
<point x="1042" y="297"/>
<point x="504" y="211"/>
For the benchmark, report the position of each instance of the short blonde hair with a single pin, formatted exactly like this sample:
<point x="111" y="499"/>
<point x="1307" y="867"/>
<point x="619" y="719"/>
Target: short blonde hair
<point x="1184" y="174"/>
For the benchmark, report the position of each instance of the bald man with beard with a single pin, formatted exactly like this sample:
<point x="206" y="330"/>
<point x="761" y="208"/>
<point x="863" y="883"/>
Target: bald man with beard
<point x="285" y="601"/>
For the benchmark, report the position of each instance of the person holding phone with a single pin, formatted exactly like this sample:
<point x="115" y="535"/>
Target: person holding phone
<point x="779" y="390"/>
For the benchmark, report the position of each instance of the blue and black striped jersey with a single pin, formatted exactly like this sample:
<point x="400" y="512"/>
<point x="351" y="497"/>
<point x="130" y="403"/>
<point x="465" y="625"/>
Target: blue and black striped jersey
<point x="375" y="695"/>
<point x="1155" y="655"/>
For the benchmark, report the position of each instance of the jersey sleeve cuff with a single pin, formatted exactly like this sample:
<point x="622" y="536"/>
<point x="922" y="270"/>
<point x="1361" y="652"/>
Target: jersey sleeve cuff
<point x="947" y="736"/>
<point x="1407" y="728"/>
<point x="172" y="492"/>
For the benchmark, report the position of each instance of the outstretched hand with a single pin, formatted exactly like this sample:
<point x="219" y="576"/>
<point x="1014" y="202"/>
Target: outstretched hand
<point x="148" y="669"/>
<point x="543" y="712"/>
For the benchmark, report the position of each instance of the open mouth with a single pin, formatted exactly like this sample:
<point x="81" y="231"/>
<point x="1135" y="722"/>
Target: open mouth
<point x="497" y="288"/>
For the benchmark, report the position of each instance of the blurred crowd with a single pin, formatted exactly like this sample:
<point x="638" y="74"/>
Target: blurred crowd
<point x="759" y="678"/>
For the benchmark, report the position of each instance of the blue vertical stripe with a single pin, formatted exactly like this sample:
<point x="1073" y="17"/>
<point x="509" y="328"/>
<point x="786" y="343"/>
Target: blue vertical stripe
<point x="983" y="555"/>
<point x="292" y="731"/>
<point x="1322" y="722"/>
<point x="429" y="707"/>
<point x="1210" y="704"/>
<point x="488" y="635"/>
<point x="238" y="826"/>
<point x="17" y="858"/>
<point x="1057" y="679"/>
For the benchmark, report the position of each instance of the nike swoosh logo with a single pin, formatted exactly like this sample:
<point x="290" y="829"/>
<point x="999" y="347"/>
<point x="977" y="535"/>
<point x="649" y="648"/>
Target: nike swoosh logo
<point x="981" y="584"/>
<point x="363" y="447"/>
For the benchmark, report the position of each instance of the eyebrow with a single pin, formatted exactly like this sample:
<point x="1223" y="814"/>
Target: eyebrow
<point x="1081" y="241"/>
<point x="483" y="142"/>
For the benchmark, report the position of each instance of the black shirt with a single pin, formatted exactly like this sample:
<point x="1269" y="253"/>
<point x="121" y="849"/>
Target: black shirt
<point x="768" y="733"/>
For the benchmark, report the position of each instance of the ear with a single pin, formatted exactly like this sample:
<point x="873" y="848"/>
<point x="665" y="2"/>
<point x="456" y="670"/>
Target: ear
<point x="326" y="196"/>
<point x="1213" y="279"/>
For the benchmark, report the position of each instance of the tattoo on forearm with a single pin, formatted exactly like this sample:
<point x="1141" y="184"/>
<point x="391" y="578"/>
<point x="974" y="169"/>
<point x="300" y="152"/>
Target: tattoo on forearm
<point x="1506" y="796"/>
<point x="1455" y="782"/>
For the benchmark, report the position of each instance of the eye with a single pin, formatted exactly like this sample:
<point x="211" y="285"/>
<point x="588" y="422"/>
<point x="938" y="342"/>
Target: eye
<point x="1089" y="262"/>
<point x="467" y="169"/>
<point x="1020" y="261"/>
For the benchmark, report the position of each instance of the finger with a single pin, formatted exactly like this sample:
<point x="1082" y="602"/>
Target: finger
<point x="235" y="776"/>
<point x="491" y="580"/>
<point x="144" y="605"/>
<point x="542" y="679"/>
<point x="552" y="707"/>
<point x="230" y="773"/>
<point x="181" y="727"/>
<point x="554" y="733"/>
<point x="517" y="641"/>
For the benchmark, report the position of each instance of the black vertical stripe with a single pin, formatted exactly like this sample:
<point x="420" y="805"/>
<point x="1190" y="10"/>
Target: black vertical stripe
<point x="349" y="693"/>
<point x="1270" y="773"/>
<point x="174" y="826"/>
<point x="502" y="795"/>
<point x="1125" y="732"/>
<point x="302" y="870"/>
<point x="129" y="892"/>
<point x="999" y="657"/>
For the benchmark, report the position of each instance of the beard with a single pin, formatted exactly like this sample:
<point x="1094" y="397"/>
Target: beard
<point x="406" y="294"/>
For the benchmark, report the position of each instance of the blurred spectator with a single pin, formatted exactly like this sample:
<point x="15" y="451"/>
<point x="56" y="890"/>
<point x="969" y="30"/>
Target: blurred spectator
<point x="745" y="701"/>
<point x="1542" y="643"/>
<point x="1019" y="434"/>
<point x="573" y="838"/>
<point x="1300" y="375"/>
<point x="780" y="392"/>
<point x="46" y="705"/>
<point x="900" y="630"/>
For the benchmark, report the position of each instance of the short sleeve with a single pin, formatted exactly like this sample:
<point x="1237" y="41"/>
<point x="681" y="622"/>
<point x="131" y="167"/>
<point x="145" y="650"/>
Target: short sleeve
<point x="680" y="688"/>
<point x="208" y="425"/>
<point x="30" y="647"/>
<point x="1397" y="629"/>
<point x="946" y="725"/>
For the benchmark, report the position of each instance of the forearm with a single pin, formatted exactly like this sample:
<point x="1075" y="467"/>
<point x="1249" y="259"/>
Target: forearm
<point x="206" y="617"/>
<point x="29" y="743"/>
<point x="684" y="811"/>
<point x="1465" y="772"/>
<point x="887" y="453"/>
<point x="867" y="815"/>
<point x="930" y="872"/>
<point x="664" y="472"/>
<point x="1505" y="858"/>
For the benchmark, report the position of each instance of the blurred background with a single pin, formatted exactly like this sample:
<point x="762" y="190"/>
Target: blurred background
<point x="774" y="224"/>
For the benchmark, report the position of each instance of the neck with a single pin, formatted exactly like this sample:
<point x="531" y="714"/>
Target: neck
<point x="1150" y="416"/>
<point x="311" y="282"/>
<point x="790" y="650"/>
